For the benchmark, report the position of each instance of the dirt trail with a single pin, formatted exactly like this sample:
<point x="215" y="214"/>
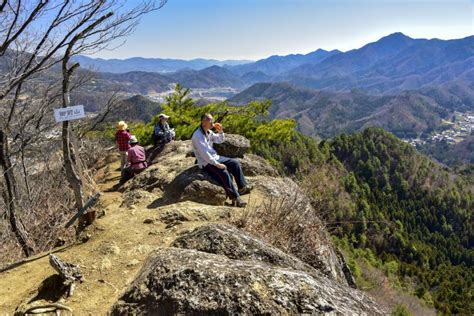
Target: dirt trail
<point x="119" y="244"/>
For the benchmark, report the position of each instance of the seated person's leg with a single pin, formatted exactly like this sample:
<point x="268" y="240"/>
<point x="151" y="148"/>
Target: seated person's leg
<point x="234" y="167"/>
<point x="224" y="178"/>
<point x="127" y="174"/>
<point x="137" y="171"/>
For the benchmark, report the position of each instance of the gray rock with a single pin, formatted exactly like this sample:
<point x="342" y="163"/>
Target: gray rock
<point x="203" y="191"/>
<point x="234" y="146"/>
<point x="191" y="184"/>
<point x="151" y="179"/>
<point x="192" y="282"/>
<point x="227" y="240"/>
<point x="136" y="197"/>
<point x="195" y="185"/>
<point x="171" y="161"/>
<point x="253" y="165"/>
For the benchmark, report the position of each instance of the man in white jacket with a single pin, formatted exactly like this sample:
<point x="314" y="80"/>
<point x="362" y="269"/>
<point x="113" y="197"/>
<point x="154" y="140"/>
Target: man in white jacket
<point x="220" y="168"/>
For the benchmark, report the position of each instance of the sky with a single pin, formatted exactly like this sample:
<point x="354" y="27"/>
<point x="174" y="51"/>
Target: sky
<point x="255" y="29"/>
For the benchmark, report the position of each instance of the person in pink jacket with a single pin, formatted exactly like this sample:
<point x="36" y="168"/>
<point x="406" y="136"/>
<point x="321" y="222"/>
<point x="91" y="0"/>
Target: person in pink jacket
<point x="136" y="161"/>
<point x="136" y="156"/>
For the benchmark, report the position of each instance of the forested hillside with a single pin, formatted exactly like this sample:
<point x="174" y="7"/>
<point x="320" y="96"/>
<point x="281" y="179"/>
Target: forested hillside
<point x="326" y="114"/>
<point x="410" y="211"/>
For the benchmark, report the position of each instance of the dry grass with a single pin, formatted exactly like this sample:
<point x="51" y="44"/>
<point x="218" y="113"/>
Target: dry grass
<point x="289" y="223"/>
<point x="45" y="199"/>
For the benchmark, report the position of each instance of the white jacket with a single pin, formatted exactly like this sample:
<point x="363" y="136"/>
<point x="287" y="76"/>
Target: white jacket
<point x="202" y="147"/>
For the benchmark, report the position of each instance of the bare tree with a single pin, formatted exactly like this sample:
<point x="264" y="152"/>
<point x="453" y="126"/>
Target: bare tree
<point x="36" y="38"/>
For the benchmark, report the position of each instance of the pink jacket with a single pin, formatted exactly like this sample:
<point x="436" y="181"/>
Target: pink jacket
<point x="137" y="158"/>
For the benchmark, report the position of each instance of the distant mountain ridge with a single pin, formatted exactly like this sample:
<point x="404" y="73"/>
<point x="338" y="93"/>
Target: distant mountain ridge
<point x="150" y="64"/>
<point x="275" y="65"/>
<point x="392" y="64"/>
<point x="141" y="82"/>
<point x="328" y="113"/>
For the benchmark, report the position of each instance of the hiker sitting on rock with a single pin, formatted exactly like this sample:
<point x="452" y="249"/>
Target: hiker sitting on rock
<point x="163" y="133"/>
<point x="136" y="161"/>
<point x="122" y="138"/>
<point x="136" y="156"/>
<point x="220" y="168"/>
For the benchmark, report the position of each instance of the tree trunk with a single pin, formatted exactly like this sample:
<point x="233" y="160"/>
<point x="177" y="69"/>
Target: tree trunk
<point x="70" y="157"/>
<point x="10" y="195"/>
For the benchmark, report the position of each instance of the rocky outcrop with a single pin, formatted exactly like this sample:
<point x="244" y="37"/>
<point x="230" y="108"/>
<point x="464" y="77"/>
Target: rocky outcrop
<point x="324" y="256"/>
<point x="195" y="185"/>
<point x="253" y="165"/>
<point x="187" y="281"/>
<point x="234" y="146"/>
<point x="227" y="240"/>
<point x="137" y="197"/>
<point x="174" y="176"/>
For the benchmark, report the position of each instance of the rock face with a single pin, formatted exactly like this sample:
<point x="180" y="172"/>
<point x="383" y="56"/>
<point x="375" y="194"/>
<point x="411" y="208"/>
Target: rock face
<point x="227" y="240"/>
<point x="253" y="165"/>
<point x="175" y="177"/>
<point x="192" y="282"/>
<point x="325" y="257"/>
<point x="195" y="185"/>
<point x="234" y="146"/>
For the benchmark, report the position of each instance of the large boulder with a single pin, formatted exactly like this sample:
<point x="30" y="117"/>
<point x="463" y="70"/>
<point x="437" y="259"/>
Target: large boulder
<point x="253" y="165"/>
<point x="234" y="146"/>
<point x="184" y="281"/>
<point x="195" y="185"/>
<point x="227" y="240"/>
<point x="165" y="167"/>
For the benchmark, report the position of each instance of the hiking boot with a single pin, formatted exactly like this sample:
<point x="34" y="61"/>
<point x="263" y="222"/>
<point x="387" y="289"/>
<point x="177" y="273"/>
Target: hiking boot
<point x="246" y="189"/>
<point x="239" y="203"/>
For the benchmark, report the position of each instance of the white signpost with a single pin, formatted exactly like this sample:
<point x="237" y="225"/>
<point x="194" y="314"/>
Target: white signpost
<point x="69" y="113"/>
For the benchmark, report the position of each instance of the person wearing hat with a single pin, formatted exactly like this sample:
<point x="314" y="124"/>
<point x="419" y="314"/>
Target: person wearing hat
<point x="136" y="161"/>
<point x="136" y="156"/>
<point x="162" y="133"/>
<point x="122" y="137"/>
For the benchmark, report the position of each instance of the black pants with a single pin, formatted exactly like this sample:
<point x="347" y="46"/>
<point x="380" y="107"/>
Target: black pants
<point x="225" y="177"/>
<point x="128" y="173"/>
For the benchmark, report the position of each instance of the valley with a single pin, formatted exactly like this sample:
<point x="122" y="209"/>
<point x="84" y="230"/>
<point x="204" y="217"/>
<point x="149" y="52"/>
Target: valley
<point x="376" y="143"/>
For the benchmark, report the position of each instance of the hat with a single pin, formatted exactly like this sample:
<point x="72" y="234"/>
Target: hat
<point x="133" y="140"/>
<point x="121" y="126"/>
<point x="164" y="116"/>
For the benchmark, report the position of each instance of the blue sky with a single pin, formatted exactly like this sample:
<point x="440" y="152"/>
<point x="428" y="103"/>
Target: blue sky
<point x="254" y="29"/>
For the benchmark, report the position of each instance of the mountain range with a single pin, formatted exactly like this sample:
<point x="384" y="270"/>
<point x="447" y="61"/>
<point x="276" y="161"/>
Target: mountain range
<point x="404" y="85"/>
<point x="392" y="64"/>
<point x="328" y="113"/>
<point x="150" y="64"/>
